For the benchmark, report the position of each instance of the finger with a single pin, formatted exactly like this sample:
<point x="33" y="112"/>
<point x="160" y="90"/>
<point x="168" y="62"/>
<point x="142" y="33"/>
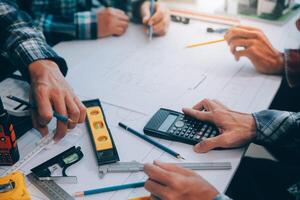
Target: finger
<point x="156" y="189"/>
<point x="244" y="53"/>
<point x="42" y="129"/>
<point x="209" y="144"/>
<point x="146" y="13"/>
<point x="119" y="31"/>
<point x="82" y="110"/>
<point x="158" y="15"/>
<point x="240" y="43"/>
<point x="205" y="104"/>
<point x="44" y="107"/>
<point x="174" y="168"/>
<point x="123" y="24"/>
<point x="73" y="111"/>
<point x="161" y="27"/>
<point x="239" y="33"/>
<point x="200" y="115"/>
<point x="60" y="107"/>
<point x="158" y="174"/>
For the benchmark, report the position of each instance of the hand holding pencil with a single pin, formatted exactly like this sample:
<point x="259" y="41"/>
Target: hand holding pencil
<point x="50" y="91"/>
<point x="155" y="15"/>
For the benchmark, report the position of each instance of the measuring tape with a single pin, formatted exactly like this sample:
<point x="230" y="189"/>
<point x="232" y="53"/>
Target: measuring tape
<point x="49" y="188"/>
<point x="134" y="166"/>
<point x="42" y="144"/>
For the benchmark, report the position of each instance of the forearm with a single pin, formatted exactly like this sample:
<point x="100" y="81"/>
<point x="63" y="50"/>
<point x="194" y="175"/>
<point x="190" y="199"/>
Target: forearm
<point x="21" y="42"/>
<point x="292" y="66"/>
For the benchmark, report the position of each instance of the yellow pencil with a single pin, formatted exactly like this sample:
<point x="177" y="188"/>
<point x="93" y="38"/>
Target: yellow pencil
<point x="204" y="43"/>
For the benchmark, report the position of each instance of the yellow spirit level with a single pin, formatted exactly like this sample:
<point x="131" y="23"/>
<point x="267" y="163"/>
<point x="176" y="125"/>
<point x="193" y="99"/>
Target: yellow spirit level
<point x="101" y="137"/>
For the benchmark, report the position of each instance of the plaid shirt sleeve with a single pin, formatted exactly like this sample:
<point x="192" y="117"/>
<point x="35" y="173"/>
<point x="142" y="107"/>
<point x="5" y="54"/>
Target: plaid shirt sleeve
<point x="277" y="128"/>
<point x="282" y="129"/>
<point x="20" y="42"/>
<point x="86" y="25"/>
<point x="292" y="66"/>
<point x="83" y="25"/>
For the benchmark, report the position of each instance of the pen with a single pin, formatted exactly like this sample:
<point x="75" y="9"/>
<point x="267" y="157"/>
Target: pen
<point x="150" y="28"/>
<point x="151" y="141"/>
<point x="31" y="106"/>
<point x="109" y="189"/>
<point x="205" y="43"/>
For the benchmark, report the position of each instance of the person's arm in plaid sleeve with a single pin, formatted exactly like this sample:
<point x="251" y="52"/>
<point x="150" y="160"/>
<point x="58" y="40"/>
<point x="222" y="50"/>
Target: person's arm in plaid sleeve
<point x="26" y="48"/>
<point x="83" y="25"/>
<point x="21" y="42"/>
<point x="91" y="24"/>
<point x="278" y="128"/>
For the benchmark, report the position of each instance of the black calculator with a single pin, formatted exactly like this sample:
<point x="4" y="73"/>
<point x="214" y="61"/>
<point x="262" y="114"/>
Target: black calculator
<point x="172" y="125"/>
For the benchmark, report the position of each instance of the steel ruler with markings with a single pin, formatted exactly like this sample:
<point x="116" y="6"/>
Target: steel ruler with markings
<point x="49" y="188"/>
<point x="134" y="166"/>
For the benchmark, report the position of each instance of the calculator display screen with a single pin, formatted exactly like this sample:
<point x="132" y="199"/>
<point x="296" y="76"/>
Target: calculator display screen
<point x="167" y="123"/>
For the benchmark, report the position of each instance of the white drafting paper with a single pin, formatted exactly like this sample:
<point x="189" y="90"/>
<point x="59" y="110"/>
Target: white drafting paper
<point x="142" y="75"/>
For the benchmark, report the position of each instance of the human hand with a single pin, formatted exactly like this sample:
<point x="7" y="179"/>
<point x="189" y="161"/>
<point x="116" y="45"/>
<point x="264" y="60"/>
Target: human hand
<point x="236" y="129"/>
<point x="257" y="48"/>
<point x="170" y="182"/>
<point x="112" y="21"/>
<point x="50" y="90"/>
<point x="160" y="19"/>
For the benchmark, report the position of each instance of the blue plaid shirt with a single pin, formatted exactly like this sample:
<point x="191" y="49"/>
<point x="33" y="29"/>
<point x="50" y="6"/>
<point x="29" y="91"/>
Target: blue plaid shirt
<point x="280" y="129"/>
<point x="63" y="20"/>
<point x="20" y="42"/>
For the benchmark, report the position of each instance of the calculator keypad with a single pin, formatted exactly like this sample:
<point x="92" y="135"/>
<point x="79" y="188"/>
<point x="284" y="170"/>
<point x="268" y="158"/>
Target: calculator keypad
<point x="192" y="129"/>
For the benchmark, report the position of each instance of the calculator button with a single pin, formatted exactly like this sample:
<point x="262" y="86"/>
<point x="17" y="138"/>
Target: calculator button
<point x="179" y="124"/>
<point x="197" y="137"/>
<point x="214" y="133"/>
<point x="177" y="133"/>
<point x="186" y="135"/>
<point x="171" y="131"/>
<point x="208" y="131"/>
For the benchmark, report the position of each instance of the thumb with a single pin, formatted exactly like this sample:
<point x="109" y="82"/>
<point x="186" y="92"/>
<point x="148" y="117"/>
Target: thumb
<point x="208" y="144"/>
<point x="146" y="14"/>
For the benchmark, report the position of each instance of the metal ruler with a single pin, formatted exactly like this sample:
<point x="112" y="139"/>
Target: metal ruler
<point x="134" y="166"/>
<point x="49" y="188"/>
<point x="42" y="144"/>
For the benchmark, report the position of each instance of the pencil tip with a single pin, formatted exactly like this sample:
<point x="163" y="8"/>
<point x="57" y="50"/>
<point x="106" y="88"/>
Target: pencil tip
<point x="180" y="157"/>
